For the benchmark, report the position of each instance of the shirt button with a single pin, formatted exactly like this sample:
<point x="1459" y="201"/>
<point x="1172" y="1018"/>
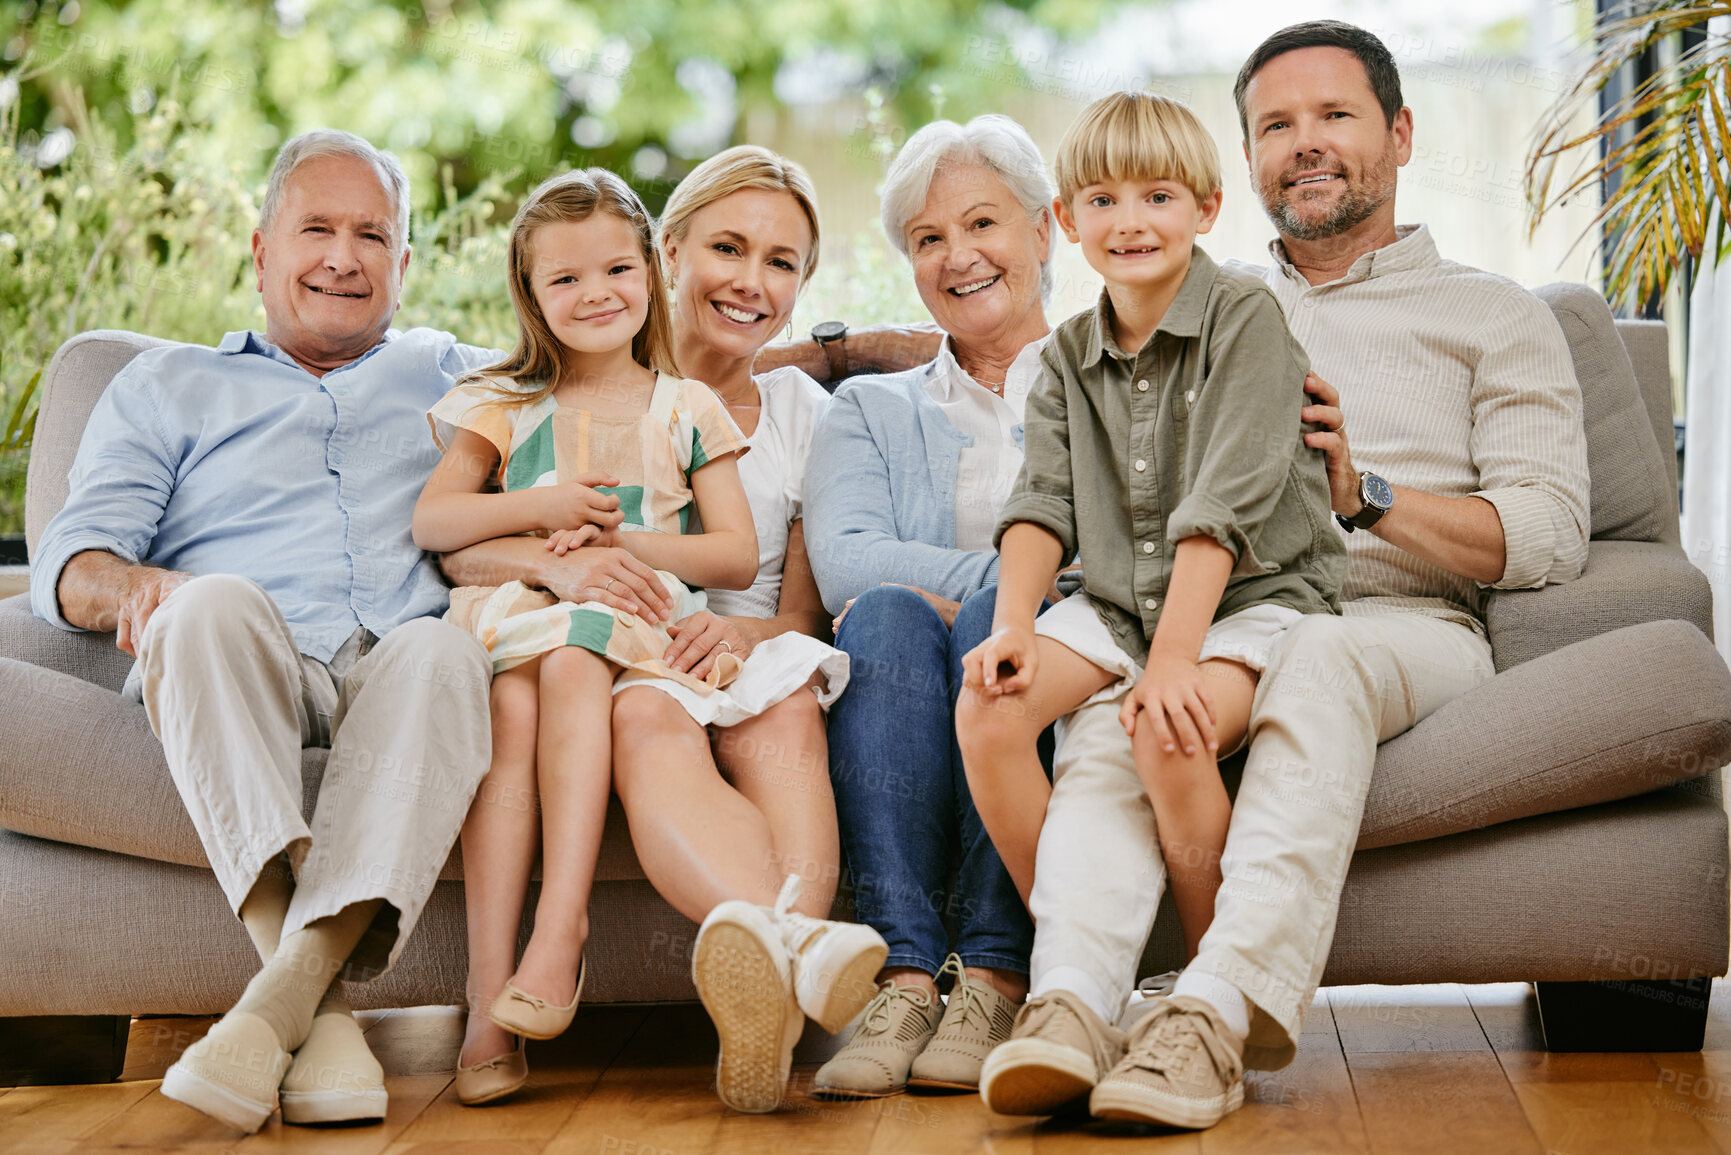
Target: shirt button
<point x="1147" y="547"/>
<point x="1140" y="465"/>
<point x="1310" y="302"/>
<point x="1149" y="604"/>
<point x="1141" y="386"/>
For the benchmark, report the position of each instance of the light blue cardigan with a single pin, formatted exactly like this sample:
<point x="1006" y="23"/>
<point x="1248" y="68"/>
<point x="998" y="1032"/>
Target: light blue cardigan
<point x="880" y="493"/>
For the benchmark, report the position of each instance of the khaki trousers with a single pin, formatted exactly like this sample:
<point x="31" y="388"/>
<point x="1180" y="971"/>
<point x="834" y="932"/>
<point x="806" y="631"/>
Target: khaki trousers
<point x="1337" y="687"/>
<point x="407" y="723"/>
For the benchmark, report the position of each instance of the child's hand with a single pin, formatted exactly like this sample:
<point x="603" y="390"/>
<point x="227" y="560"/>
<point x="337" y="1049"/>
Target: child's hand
<point x="1002" y="664"/>
<point x="572" y="504"/>
<point x="1176" y="702"/>
<point x="563" y="541"/>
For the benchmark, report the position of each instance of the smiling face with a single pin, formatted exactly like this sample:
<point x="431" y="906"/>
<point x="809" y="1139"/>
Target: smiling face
<point x="329" y="267"/>
<point x="976" y="255"/>
<point x="1138" y="234"/>
<point x="1322" y="154"/>
<point x="591" y="282"/>
<point x="737" y="270"/>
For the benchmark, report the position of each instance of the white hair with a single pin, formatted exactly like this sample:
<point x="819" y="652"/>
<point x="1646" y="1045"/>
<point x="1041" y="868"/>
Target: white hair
<point x="997" y="144"/>
<point x="323" y="142"/>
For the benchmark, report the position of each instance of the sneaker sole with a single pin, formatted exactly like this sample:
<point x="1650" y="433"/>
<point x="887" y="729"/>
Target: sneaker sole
<point x="1145" y="1105"/>
<point x="303" y="1107"/>
<point x="746" y="997"/>
<point x="1025" y="1077"/>
<point x="942" y="1084"/>
<point x="855" y="984"/>
<point x="849" y="1093"/>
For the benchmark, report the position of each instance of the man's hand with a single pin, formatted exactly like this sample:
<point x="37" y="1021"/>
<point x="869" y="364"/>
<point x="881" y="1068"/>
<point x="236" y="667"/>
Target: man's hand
<point x="612" y="577"/>
<point x="1012" y="646"/>
<point x="1343" y="485"/>
<point x="699" y="639"/>
<point x="574" y="504"/>
<point x="138" y="601"/>
<point x="1173" y="698"/>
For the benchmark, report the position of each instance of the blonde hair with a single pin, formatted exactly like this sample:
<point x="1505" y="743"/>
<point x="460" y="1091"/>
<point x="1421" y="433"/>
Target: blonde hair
<point x="539" y="358"/>
<point x="1137" y="136"/>
<point x="741" y="167"/>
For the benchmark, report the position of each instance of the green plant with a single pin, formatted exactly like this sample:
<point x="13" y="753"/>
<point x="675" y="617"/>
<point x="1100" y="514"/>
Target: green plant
<point x="1659" y="151"/>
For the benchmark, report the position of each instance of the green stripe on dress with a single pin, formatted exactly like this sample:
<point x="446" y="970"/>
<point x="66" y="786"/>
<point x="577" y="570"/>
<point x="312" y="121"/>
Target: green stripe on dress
<point x="591" y="629"/>
<point x="698" y="457"/>
<point x="531" y="459"/>
<point x="630" y="502"/>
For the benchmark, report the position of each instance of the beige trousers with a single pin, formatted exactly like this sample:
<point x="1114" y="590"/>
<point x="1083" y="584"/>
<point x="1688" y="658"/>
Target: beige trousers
<point x="407" y="723"/>
<point x="1337" y="686"/>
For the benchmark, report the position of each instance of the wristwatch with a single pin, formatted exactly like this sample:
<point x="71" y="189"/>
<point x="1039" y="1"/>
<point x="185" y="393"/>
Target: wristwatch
<point x="1378" y="498"/>
<point x="831" y="337"/>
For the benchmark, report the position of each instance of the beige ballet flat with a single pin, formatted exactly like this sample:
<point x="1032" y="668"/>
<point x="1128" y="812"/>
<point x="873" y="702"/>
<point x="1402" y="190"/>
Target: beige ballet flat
<point x="533" y="1017"/>
<point x="493" y="1078"/>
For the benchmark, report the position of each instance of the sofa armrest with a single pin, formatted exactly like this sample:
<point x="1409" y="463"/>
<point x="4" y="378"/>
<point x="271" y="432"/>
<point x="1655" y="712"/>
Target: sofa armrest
<point x="1624" y="583"/>
<point x="24" y="637"/>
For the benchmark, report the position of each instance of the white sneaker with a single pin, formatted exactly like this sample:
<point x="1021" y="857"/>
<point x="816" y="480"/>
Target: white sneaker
<point x="1144" y="998"/>
<point x="835" y="964"/>
<point x="745" y="980"/>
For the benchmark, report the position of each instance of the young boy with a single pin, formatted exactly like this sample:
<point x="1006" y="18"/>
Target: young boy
<point x="1162" y="446"/>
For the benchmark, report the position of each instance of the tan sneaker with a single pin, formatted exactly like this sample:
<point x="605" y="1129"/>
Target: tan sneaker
<point x="895" y="1028"/>
<point x="1183" y="1068"/>
<point x="1057" y="1050"/>
<point x="976" y="1019"/>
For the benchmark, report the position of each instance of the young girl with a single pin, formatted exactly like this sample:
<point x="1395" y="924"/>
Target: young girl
<point x="590" y="440"/>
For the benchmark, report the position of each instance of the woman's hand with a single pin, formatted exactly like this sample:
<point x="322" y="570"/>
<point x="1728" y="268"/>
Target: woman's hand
<point x="945" y="607"/>
<point x="1174" y="699"/>
<point x="574" y="504"/>
<point x="983" y="666"/>
<point x="612" y="577"/>
<point x="700" y="639"/>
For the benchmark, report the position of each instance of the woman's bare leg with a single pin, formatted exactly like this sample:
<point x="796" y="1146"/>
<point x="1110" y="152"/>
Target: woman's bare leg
<point x="574" y="758"/>
<point x="997" y="738"/>
<point x="1191" y="810"/>
<point x="499" y="838"/>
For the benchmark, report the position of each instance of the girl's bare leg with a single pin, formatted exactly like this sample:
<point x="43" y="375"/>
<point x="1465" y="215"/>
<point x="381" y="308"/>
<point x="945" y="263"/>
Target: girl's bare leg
<point x="574" y="758"/>
<point x="1191" y="810"/>
<point x="499" y="839"/>
<point x="700" y="841"/>
<point x="997" y="737"/>
<point x="779" y="762"/>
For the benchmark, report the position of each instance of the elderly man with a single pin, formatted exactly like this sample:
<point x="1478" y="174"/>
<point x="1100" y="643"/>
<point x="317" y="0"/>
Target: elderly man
<point x="1466" y="425"/>
<point x="240" y="517"/>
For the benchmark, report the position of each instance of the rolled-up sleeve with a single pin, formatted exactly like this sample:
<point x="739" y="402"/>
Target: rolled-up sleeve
<point x="1242" y="428"/>
<point x="120" y="483"/>
<point x="1529" y="444"/>
<point x="850" y="523"/>
<point x="1045" y="492"/>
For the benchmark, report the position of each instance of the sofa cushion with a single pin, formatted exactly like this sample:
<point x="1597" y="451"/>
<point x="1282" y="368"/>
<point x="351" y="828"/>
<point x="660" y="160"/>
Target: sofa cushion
<point x="24" y="637"/>
<point x="79" y="764"/>
<point x="1610" y="717"/>
<point x="1632" y="496"/>
<point x="74" y="380"/>
<point x="1623" y="583"/>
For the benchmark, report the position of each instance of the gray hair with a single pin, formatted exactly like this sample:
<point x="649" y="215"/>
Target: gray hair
<point x="323" y="142"/>
<point x="994" y="142"/>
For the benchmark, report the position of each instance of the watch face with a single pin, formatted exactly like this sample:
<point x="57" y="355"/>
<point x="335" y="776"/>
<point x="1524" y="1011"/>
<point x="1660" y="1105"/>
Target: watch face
<point x="1377" y="492"/>
<point x="829" y="330"/>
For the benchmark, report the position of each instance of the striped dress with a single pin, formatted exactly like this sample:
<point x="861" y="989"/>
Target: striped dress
<point x="653" y="455"/>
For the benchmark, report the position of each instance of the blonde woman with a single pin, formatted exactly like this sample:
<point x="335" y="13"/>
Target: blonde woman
<point x="730" y="810"/>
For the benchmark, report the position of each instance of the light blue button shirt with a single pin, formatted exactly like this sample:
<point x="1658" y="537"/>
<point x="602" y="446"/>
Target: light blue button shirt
<point x="237" y="460"/>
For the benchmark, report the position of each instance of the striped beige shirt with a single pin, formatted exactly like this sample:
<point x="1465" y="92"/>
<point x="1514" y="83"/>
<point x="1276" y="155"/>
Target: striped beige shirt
<point x="1457" y="382"/>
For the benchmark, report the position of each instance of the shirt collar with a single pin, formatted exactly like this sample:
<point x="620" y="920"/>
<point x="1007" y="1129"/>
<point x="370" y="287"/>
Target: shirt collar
<point x="1183" y="316"/>
<point x="248" y="341"/>
<point x="946" y="378"/>
<point x="1412" y="248"/>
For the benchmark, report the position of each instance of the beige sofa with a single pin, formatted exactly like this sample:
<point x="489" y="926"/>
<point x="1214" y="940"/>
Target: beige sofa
<point x="1561" y="824"/>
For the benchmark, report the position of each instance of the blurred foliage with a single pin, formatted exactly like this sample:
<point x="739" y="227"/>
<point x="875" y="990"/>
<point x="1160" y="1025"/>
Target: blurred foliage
<point x="136" y="136"/>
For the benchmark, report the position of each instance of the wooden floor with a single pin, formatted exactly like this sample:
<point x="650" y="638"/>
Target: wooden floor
<point x="1380" y="1069"/>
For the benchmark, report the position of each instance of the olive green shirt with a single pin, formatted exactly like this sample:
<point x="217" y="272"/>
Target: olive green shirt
<point x="1196" y="433"/>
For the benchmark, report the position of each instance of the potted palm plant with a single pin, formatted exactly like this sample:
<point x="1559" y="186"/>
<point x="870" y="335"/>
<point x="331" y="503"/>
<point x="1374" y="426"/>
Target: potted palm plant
<point x="15" y="440"/>
<point x="1657" y="147"/>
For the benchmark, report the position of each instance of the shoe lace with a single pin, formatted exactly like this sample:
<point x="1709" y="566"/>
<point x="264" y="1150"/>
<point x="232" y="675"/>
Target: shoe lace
<point x="797" y="930"/>
<point x="879" y="1014"/>
<point x="1170" y="1041"/>
<point x="965" y="1002"/>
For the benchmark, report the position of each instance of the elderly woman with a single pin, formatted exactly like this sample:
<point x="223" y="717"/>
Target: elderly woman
<point x="723" y="814"/>
<point x="915" y="467"/>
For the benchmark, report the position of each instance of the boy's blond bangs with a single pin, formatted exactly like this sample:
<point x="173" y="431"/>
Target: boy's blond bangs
<point x="1137" y="136"/>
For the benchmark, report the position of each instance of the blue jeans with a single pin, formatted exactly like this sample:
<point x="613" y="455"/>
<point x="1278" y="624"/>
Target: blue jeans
<point x="901" y="796"/>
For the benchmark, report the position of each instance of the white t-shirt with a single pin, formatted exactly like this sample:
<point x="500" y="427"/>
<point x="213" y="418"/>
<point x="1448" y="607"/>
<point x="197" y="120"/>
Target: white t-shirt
<point x="986" y="471"/>
<point x="773" y="474"/>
